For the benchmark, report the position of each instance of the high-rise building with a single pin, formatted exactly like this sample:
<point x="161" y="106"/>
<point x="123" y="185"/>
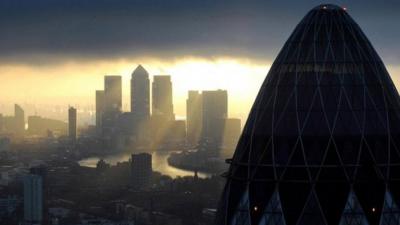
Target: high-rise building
<point x="19" y="119"/>
<point x="100" y="104"/>
<point x="113" y="93"/>
<point x="215" y="109"/>
<point x="140" y="93"/>
<point x="141" y="169"/>
<point x="231" y="132"/>
<point x="321" y="143"/>
<point x="162" y="97"/>
<point x="194" y="117"/>
<point x="42" y="171"/>
<point x="33" y="199"/>
<point x="112" y="105"/>
<point x="72" y="123"/>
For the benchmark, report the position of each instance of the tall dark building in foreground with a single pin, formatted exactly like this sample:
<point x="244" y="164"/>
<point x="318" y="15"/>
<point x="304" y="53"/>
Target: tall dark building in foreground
<point x="141" y="169"/>
<point x="321" y="145"/>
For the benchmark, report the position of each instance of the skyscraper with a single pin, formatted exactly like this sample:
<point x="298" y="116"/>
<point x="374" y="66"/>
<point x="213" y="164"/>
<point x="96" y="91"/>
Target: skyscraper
<point x="141" y="169"/>
<point x="194" y="117"/>
<point x="100" y="103"/>
<point x="140" y="93"/>
<point x="72" y="123"/>
<point x="321" y="143"/>
<point x="33" y="199"/>
<point x="112" y="104"/>
<point x="162" y="97"/>
<point x="231" y="132"/>
<point x="113" y="93"/>
<point x="19" y="119"/>
<point x="215" y="109"/>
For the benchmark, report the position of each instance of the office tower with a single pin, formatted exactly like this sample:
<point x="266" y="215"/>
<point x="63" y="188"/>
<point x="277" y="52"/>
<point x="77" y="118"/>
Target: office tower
<point x="141" y="169"/>
<point x="19" y="120"/>
<point x="33" y="199"/>
<point x="100" y="104"/>
<point x="321" y="143"/>
<point x="113" y="93"/>
<point x="231" y="132"/>
<point x="162" y="97"/>
<point x="215" y="109"/>
<point x="140" y="93"/>
<point x="42" y="171"/>
<point x="194" y="117"/>
<point x="72" y="123"/>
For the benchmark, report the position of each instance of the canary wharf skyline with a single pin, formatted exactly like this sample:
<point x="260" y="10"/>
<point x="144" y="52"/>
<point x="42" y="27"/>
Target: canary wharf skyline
<point x="58" y="51"/>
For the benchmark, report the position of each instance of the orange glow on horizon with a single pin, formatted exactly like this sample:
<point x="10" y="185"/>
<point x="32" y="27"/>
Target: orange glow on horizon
<point x="74" y="83"/>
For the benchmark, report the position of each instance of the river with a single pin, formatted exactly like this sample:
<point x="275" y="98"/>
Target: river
<point x="160" y="164"/>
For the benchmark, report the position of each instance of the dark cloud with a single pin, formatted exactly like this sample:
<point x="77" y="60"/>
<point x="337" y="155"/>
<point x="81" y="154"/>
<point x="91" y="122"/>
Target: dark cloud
<point x="39" y="30"/>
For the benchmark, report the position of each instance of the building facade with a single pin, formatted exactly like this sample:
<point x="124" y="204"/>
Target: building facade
<point x="162" y="104"/>
<point x="113" y="93"/>
<point x="19" y="119"/>
<point x="321" y="144"/>
<point x="33" y="199"/>
<point x="215" y="110"/>
<point x="141" y="170"/>
<point x="100" y="104"/>
<point x="72" y="120"/>
<point x="140" y="93"/>
<point x="194" y="117"/>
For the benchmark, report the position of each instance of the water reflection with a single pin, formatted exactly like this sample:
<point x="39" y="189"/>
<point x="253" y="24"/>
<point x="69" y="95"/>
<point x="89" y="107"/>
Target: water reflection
<point x="160" y="164"/>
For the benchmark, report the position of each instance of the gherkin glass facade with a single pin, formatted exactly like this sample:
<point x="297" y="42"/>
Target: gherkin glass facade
<point x="321" y="145"/>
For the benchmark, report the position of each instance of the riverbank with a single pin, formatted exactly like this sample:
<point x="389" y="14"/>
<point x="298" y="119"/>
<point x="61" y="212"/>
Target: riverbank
<point x="196" y="161"/>
<point x="160" y="163"/>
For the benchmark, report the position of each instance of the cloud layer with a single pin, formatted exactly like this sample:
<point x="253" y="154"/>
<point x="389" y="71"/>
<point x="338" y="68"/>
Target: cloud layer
<point x="43" y="31"/>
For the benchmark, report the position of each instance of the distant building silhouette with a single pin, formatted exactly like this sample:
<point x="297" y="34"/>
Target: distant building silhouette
<point x="140" y="93"/>
<point x="321" y="143"/>
<point x="231" y="132"/>
<point x="215" y="110"/>
<point x="162" y="97"/>
<point x="112" y="104"/>
<point x="72" y="123"/>
<point x="194" y="117"/>
<point x="33" y="199"/>
<point x="100" y="107"/>
<point x="113" y="93"/>
<point x="141" y="169"/>
<point x="40" y="126"/>
<point x="19" y="119"/>
<point x="175" y="137"/>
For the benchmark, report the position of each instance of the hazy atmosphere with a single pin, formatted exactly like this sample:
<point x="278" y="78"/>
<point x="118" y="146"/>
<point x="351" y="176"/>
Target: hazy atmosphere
<point x="56" y="52"/>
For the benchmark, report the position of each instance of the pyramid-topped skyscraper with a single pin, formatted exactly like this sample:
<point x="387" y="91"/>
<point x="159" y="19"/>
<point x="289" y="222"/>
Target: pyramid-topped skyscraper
<point x="321" y="145"/>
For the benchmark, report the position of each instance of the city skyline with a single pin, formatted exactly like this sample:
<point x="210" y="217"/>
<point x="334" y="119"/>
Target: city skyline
<point x="188" y="112"/>
<point x="48" y="75"/>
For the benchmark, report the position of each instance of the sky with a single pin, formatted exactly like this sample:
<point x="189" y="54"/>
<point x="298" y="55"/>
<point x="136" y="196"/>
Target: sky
<point x="57" y="51"/>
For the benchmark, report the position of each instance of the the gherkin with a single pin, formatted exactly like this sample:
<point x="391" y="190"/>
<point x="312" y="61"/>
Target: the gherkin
<point x="321" y="145"/>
